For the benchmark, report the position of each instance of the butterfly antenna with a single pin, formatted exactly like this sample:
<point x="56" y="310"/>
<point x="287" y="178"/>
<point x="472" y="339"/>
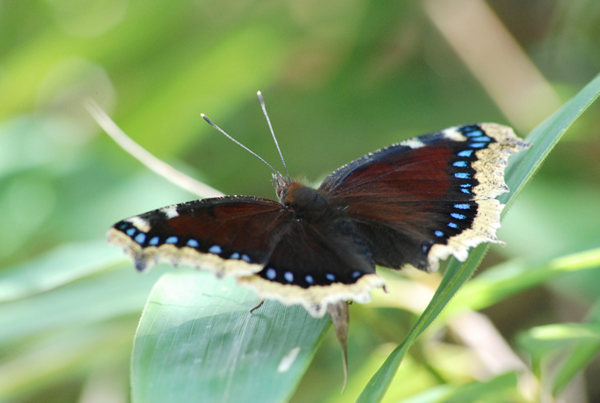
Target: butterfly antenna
<point x="264" y="109"/>
<point x="224" y="133"/>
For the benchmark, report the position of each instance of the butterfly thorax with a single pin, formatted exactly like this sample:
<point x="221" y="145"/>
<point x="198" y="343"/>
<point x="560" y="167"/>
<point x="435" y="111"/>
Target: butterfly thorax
<point x="306" y="203"/>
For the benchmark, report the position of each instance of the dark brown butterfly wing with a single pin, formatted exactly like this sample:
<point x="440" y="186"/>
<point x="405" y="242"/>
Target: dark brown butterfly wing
<point x="262" y="243"/>
<point x="429" y="197"/>
<point x="232" y="235"/>
<point x="316" y="264"/>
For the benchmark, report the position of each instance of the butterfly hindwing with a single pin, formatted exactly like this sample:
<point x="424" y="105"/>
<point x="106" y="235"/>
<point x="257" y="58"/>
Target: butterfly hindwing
<point x="316" y="264"/>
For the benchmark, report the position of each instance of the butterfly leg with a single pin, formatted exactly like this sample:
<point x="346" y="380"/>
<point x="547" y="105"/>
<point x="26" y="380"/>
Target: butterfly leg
<point x="262" y="301"/>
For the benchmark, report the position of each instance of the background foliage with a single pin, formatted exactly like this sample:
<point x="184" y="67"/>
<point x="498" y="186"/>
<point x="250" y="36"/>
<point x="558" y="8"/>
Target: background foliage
<point x="340" y="78"/>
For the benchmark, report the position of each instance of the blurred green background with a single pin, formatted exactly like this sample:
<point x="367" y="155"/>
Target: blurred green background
<point x="340" y="79"/>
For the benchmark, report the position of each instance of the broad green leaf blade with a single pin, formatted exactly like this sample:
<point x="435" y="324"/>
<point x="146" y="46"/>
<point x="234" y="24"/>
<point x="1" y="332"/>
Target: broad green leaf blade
<point x="522" y="168"/>
<point x="197" y="341"/>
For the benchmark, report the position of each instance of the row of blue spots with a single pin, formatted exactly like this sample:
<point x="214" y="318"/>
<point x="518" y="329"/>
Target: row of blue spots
<point x="479" y="140"/>
<point x="217" y="250"/>
<point x="137" y="235"/>
<point x="141" y="237"/>
<point x="271" y="274"/>
<point x="243" y="256"/>
<point x="457" y="216"/>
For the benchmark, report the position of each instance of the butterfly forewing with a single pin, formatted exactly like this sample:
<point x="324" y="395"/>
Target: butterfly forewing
<point x="232" y="235"/>
<point x="425" y="198"/>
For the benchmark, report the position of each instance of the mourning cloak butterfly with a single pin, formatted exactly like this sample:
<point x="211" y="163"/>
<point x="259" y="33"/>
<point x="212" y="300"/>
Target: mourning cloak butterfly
<point x="413" y="203"/>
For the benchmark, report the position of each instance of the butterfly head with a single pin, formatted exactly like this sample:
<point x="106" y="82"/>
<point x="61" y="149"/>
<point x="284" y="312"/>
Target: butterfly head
<point x="304" y="201"/>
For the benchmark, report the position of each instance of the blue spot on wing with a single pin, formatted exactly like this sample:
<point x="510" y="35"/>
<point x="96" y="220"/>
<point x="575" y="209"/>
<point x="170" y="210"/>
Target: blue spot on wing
<point x="140" y="238"/>
<point x="473" y="133"/>
<point x="216" y="249"/>
<point x="171" y="239"/>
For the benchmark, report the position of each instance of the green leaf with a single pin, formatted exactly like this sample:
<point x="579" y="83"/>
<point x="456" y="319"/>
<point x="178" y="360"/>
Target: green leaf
<point x="523" y="166"/>
<point x="506" y="279"/>
<point x="75" y="260"/>
<point x="580" y="357"/>
<point x="501" y="388"/>
<point x="197" y="341"/>
<point x="109" y="294"/>
<point x="576" y="343"/>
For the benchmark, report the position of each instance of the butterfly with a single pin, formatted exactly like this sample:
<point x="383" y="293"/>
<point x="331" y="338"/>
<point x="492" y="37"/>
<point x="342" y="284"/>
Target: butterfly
<point x="413" y="203"/>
